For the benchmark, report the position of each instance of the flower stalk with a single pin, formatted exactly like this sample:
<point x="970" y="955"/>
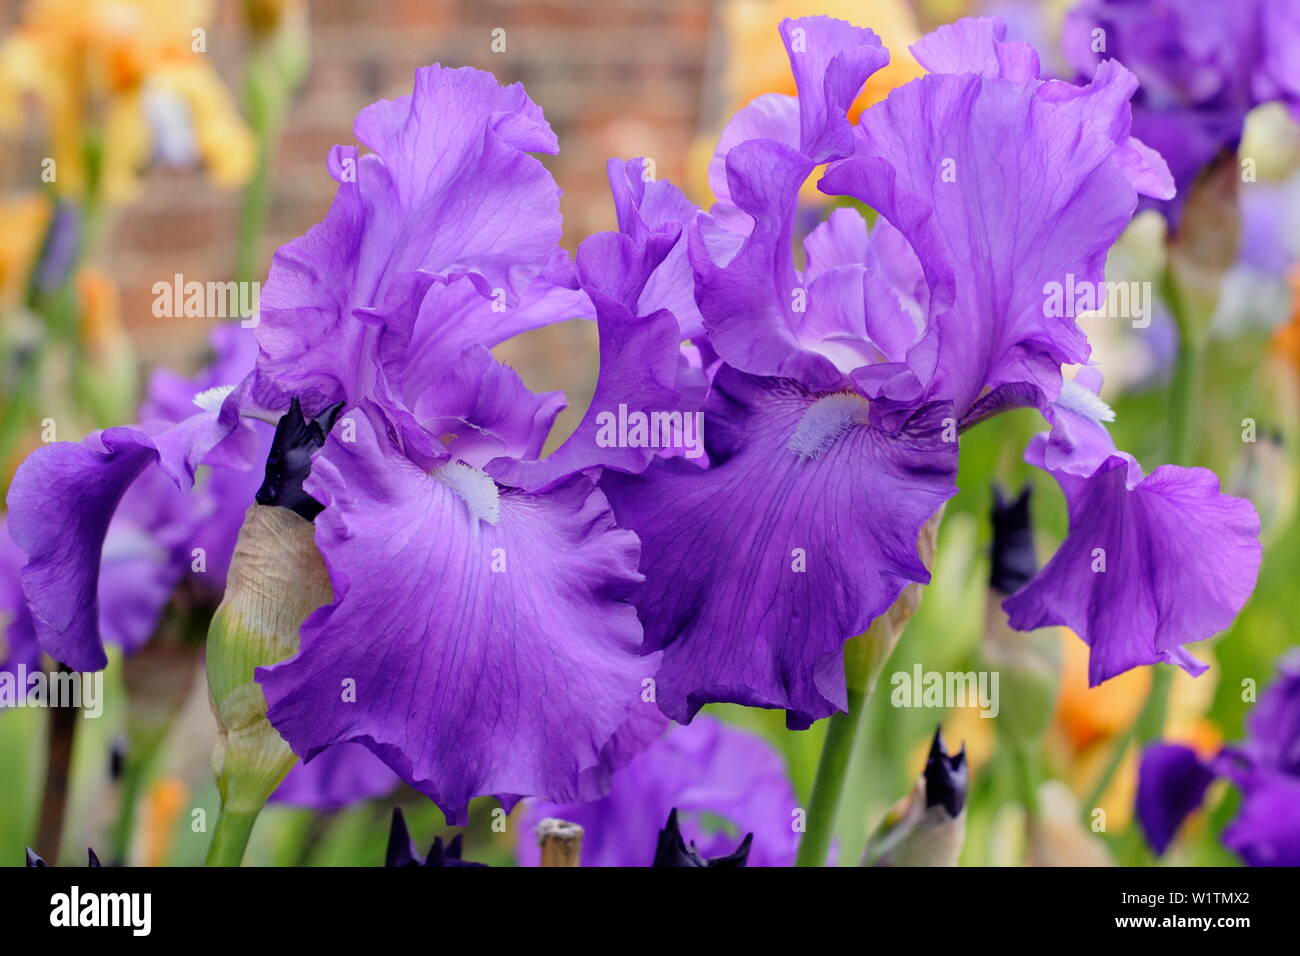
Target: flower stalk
<point x="864" y="660"/>
<point x="276" y="579"/>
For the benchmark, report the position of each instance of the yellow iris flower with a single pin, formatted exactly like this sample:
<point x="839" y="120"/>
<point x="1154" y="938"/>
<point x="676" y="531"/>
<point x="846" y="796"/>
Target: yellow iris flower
<point x="91" y="63"/>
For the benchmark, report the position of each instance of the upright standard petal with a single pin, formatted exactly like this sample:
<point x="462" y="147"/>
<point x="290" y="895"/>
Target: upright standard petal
<point x="761" y="566"/>
<point x="717" y="778"/>
<point x="501" y="655"/>
<point x="980" y="46"/>
<point x="1019" y="194"/>
<point x="448" y="192"/>
<point x="640" y="366"/>
<point x="831" y="61"/>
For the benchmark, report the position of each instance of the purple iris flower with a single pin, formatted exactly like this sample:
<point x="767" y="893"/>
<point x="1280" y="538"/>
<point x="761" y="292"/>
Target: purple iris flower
<point x="108" y="536"/>
<point x="1172" y="780"/>
<point x="838" y="388"/>
<point x="1202" y="65"/>
<point x="723" y="783"/>
<point x="502" y="655"/>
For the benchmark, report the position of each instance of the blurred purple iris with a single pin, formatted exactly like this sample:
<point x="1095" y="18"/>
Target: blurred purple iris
<point x="1202" y="66"/>
<point x="1172" y="780"/>
<point x="838" y="388"/>
<point x="723" y="783"/>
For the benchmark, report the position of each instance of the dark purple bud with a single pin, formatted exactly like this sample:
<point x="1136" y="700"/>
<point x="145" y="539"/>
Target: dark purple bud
<point x="946" y="777"/>
<point x="33" y="859"/>
<point x="449" y="855"/>
<point x="1014" y="560"/>
<point x="401" y="851"/>
<point x="673" y="851"/>
<point x="289" y="462"/>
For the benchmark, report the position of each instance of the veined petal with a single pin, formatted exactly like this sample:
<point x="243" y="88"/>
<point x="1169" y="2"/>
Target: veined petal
<point x="61" y="503"/>
<point x="645" y="207"/>
<point x="831" y="61"/>
<point x="500" y="653"/>
<point x="761" y="566"/>
<point x="980" y="46"/>
<point x="1149" y="564"/>
<point x="487" y="409"/>
<point x="750" y="304"/>
<point x="1021" y="194"/>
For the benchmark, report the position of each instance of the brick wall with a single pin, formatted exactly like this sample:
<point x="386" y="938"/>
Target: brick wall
<point x="615" y="77"/>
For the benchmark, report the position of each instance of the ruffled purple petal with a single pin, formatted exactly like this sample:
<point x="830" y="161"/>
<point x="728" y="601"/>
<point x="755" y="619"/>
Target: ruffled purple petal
<point x="656" y="206"/>
<point x="1172" y="782"/>
<point x="639" y="368"/>
<point x="500" y="654"/>
<point x="60" y="503"/>
<point x="831" y="61"/>
<point x="449" y="191"/>
<point x="709" y="772"/>
<point x="1006" y="192"/>
<point x="751" y="303"/>
<point x="761" y="566"/>
<point x="980" y="46"/>
<point x="107" y="536"/>
<point x="773" y="116"/>
<point x="1150" y="563"/>
<point x="488" y="410"/>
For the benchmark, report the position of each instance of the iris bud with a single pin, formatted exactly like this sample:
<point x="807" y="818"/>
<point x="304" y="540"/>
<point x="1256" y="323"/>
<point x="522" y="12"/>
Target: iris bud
<point x="928" y="826"/>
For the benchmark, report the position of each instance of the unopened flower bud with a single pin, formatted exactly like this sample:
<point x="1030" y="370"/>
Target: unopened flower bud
<point x="276" y="579"/>
<point x="674" y="851"/>
<point x="1028" y="662"/>
<point x="928" y="826"/>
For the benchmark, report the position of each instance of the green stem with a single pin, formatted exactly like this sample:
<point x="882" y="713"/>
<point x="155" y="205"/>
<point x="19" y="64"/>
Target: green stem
<point x="1184" y="393"/>
<point x="252" y="213"/>
<point x="1027" y="776"/>
<point x="1185" y="383"/>
<point x="864" y="658"/>
<point x="828" y="786"/>
<point x="230" y="838"/>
